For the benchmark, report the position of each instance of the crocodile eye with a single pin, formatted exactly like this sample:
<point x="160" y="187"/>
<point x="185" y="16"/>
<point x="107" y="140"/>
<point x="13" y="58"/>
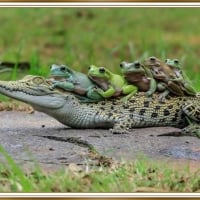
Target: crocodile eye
<point x="38" y="80"/>
<point x="101" y="70"/>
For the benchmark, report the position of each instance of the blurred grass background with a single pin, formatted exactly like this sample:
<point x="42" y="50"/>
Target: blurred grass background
<point x="79" y="37"/>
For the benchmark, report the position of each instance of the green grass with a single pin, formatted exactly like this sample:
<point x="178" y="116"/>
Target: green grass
<point x="143" y="175"/>
<point x="102" y="36"/>
<point x="79" y="37"/>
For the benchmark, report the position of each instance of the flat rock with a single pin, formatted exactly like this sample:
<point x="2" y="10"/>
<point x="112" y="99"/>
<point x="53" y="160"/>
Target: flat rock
<point x="36" y="138"/>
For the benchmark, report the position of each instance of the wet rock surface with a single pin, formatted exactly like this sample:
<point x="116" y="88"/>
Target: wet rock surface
<point x="38" y="138"/>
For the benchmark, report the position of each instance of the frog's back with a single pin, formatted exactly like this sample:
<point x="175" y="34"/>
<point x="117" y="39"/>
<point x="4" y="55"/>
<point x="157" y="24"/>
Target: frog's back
<point x="82" y="79"/>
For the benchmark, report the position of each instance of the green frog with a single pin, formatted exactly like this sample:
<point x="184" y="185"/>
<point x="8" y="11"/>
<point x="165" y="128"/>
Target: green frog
<point x="112" y="85"/>
<point x="67" y="79"/>
<point x="161" y="72"/>
<point x="179" y="77"/>
<point x="136" y="74"/>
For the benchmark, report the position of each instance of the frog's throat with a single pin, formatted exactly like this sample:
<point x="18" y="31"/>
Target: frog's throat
<point x="101" y="82"/>
<point x="136" y="77"/>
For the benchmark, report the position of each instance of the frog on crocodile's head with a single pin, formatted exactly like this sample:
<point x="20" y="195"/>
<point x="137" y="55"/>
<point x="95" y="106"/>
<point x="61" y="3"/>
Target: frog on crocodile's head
<point x="60" y="71"/>
<point x="111" y="84"/>
<point x="70" y="80"/>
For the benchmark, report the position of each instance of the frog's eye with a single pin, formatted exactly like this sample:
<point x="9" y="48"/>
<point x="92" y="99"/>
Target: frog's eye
<point x="63" y="68"/>
<point x="122" y="64"/>
<point x="137" y="64"/>
<point x="152" y="58"/>
<point x="155" y="72"/>
<point x="166" y="60"/>
<point x="176" y="61"/>
<point x="89" y="67"/>
<point x="101" y="70"/>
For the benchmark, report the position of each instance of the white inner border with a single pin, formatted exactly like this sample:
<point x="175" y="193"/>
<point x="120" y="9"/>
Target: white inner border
<point x="98" y="4"/>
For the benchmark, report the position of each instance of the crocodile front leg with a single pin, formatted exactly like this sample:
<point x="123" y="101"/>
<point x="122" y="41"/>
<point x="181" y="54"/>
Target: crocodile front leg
<point x="122" y="126"/>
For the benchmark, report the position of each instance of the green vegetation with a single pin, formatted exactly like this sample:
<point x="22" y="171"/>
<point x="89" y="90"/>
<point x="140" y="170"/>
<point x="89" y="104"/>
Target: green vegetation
<point x="79" y="37"/>
<point x="141" y="176"/>
<point x="101" y="36"/>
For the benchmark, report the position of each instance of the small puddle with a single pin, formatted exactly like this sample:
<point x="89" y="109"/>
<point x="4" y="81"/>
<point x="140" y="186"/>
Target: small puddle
<point x="181" y="153"/>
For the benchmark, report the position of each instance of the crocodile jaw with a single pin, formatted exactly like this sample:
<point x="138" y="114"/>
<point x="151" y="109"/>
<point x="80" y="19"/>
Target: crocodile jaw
<point x="38" y="97"/>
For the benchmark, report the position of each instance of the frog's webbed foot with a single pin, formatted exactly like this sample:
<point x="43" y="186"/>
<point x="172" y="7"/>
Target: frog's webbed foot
<point x="149" y="96"/>
<point x="125" y="100"/>
<point x="53" y="86"/>
<point x="93" y="94"/>
<point x="189" y="89"/>
<point x="192" y="130"/>
<point x="162" y="96"/>
<point x="127" y="97"/>
<point x="175" y="88"/>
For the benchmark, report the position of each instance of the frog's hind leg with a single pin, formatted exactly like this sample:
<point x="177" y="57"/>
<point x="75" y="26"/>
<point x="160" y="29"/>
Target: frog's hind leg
<point x="192" y="112"/>
<point x="129" y="91"/>
<point x="189" y="90"/>
<point x="163" y="95"/>
<point x="175" y="88"/>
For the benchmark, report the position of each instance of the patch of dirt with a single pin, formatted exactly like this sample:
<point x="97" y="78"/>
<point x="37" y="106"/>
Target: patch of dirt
<point x="38" y="138"/>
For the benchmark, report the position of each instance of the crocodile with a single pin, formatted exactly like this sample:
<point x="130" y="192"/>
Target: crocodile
<point x="182" y="112"/>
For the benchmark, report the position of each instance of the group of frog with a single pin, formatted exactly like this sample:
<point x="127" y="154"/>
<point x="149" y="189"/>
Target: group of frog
<point x="153" y="75"/>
